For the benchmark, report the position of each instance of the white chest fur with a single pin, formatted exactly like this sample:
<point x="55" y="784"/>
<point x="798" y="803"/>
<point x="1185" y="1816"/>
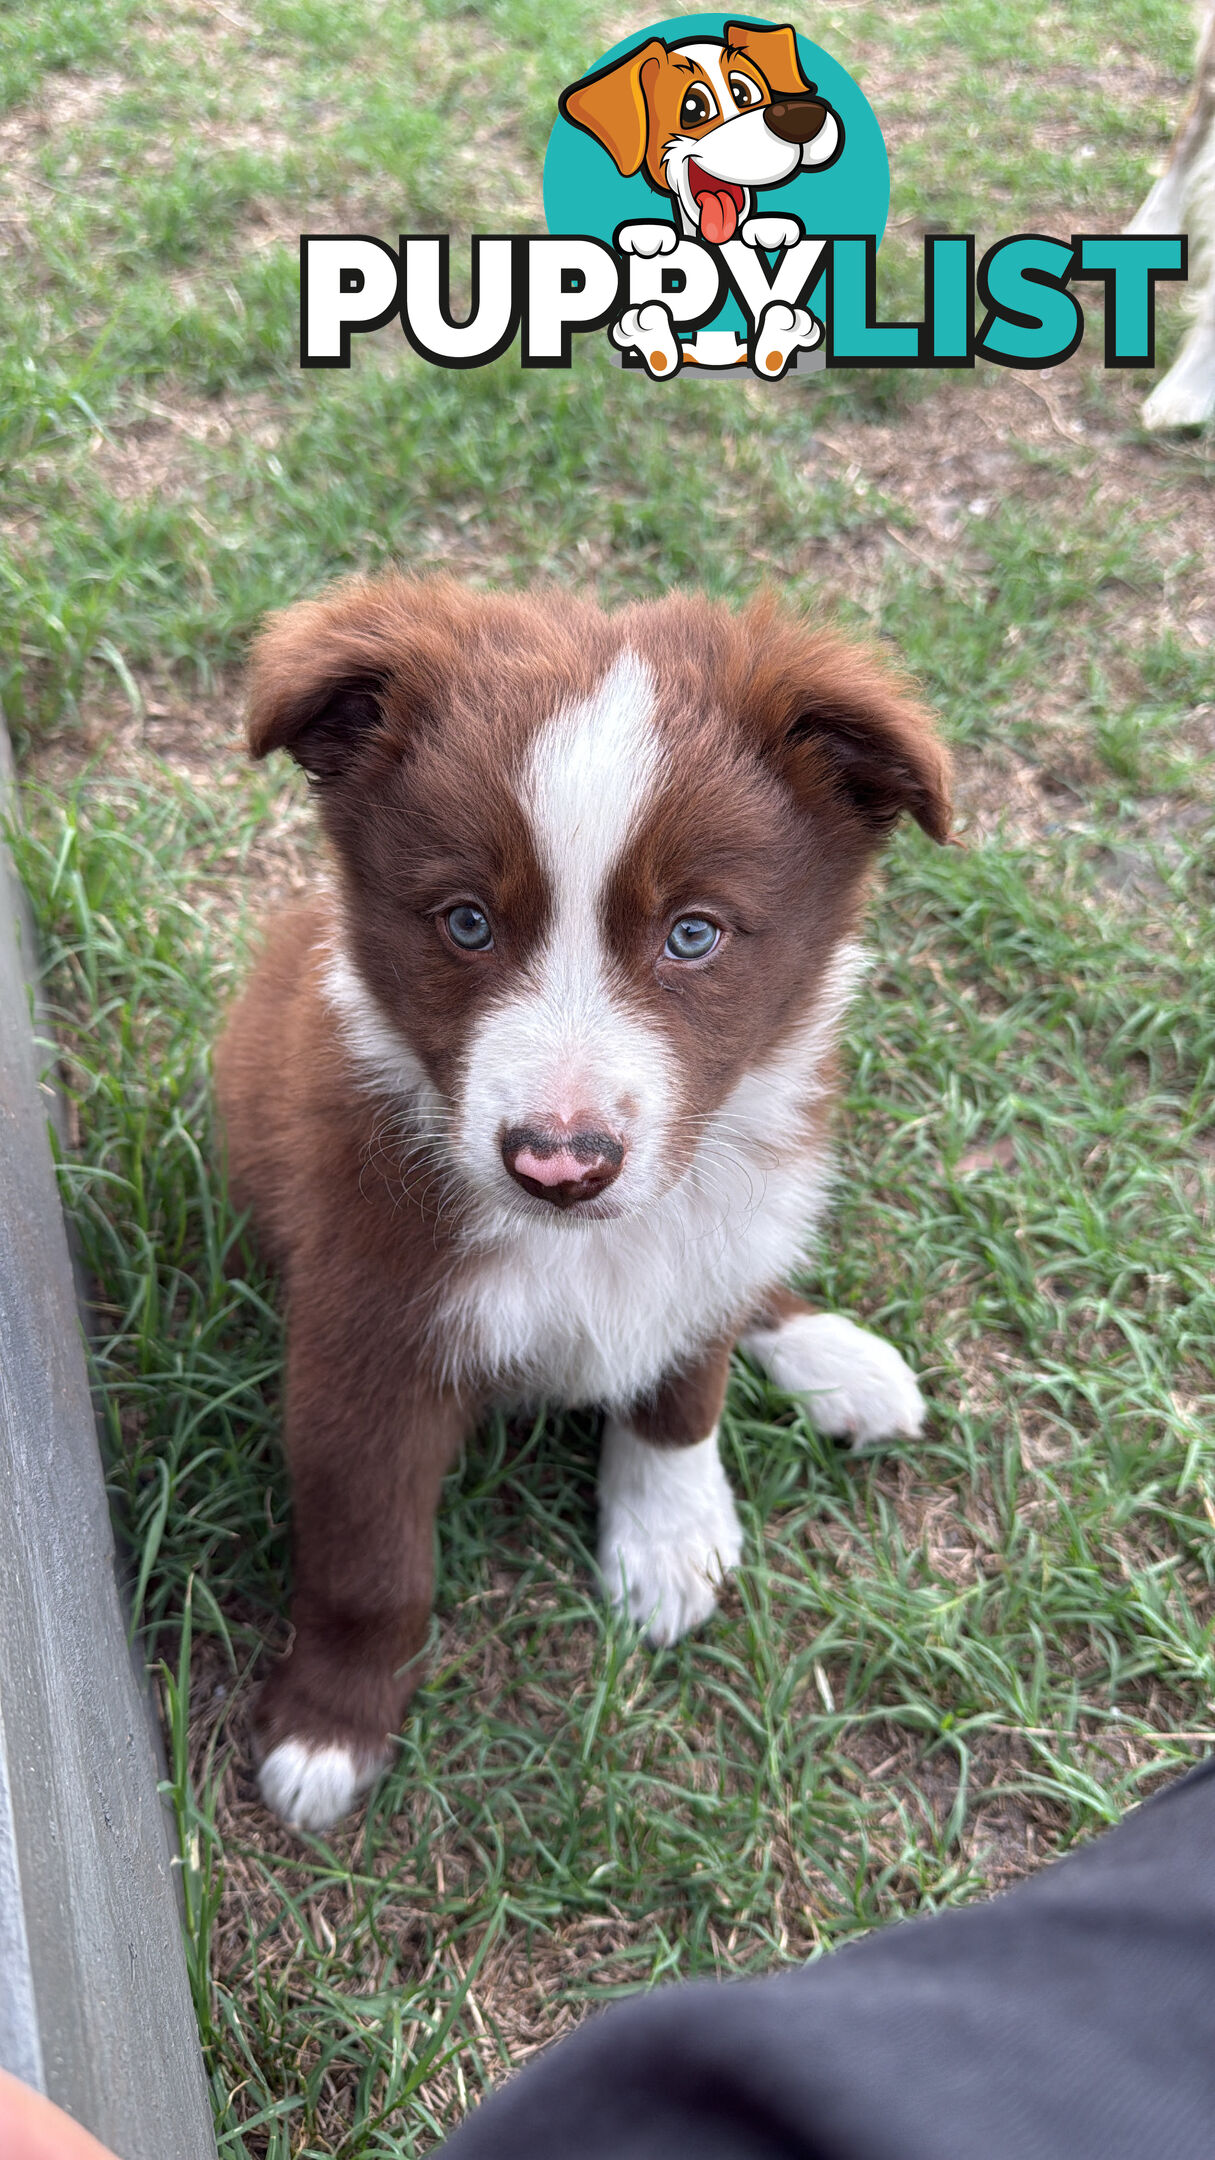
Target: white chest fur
<point x="598" y="1312"/>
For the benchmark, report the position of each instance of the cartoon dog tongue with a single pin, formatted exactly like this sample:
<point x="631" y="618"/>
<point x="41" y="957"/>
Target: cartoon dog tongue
<point x="718" y="218"/>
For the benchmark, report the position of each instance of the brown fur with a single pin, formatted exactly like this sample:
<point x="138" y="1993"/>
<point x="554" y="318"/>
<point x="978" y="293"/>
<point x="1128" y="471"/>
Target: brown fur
<point x="687" y="1404"/>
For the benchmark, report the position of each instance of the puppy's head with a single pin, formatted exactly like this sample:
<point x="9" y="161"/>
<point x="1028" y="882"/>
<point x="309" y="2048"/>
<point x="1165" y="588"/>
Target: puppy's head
<point x="599" y="874"/>
<point x="709" y="120"/>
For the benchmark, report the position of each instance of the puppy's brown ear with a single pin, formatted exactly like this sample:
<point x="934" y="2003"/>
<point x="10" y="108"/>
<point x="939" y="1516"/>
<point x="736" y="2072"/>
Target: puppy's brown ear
<point x="887" y="760"/>
<point x="320" y="671"/>
<point x="841" y="723"/>
<point x="611" y="105"/>
<point x="774" y="53"/>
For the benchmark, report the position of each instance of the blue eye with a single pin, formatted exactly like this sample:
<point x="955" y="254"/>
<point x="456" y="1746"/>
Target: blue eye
<point x="691" y="938"/>
<point x="469" y="928"/>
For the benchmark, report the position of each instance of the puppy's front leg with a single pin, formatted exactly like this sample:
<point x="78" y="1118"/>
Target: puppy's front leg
<point x="668" y="1528"/>
<point x="854" y="1386"/>
<point x="369" y="1438"/>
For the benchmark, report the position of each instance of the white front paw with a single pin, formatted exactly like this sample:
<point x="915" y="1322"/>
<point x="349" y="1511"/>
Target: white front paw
<point x="782" y="331"/>
<point x="771" y="232"/>
<point x="309" y="1784"/>
<point x="650" y="332"/>
<point x="647" y="239"/>
<point x="668" y="1531"/>
<point x="855" y="1386"/>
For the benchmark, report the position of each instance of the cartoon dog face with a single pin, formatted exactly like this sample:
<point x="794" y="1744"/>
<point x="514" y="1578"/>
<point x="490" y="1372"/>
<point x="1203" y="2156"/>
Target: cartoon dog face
<point x="709" y="121"/>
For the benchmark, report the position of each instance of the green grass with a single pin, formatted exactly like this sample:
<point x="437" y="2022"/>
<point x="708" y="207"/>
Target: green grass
<point x="937" y="1665"/>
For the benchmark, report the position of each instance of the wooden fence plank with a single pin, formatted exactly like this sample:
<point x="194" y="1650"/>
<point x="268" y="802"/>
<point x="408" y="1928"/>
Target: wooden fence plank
<point x="94" y="2001"/>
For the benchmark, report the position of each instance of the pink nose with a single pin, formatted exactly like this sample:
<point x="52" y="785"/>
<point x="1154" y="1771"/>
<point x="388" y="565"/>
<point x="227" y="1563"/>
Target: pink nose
<point x="562" y="1163"/>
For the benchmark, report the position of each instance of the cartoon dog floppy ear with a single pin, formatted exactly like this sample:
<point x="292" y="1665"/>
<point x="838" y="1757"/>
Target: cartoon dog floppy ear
<point x="611" y="105"/>
<point x="774" y="53"/>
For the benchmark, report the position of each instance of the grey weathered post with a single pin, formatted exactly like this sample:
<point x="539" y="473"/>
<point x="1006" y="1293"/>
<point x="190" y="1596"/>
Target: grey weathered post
<point x="95" y="2007"/>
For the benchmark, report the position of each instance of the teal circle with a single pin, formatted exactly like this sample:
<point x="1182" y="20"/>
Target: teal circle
<point x="584" y="193"/>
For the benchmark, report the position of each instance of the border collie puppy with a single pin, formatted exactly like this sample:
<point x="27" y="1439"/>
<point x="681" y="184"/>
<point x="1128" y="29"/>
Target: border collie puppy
<point x="533" y="1101"/>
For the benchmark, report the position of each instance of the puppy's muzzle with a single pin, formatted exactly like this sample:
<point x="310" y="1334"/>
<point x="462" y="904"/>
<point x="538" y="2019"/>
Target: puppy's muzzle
<point x="560" y="1163"/>
<point x="796" y="119"/>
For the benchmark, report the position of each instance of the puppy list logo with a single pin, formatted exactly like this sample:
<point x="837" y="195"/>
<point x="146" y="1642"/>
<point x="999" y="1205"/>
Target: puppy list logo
<point x="716" y="192"/>
<point x="704" y="155"/>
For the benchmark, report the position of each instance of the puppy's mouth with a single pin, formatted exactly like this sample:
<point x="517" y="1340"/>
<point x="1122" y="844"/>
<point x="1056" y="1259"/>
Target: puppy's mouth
<point x="600" y="1210"/>
<point x="719" y="204"/>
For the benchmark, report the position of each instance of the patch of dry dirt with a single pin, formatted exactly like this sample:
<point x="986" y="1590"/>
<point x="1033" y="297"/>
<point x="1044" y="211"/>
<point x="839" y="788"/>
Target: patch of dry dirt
<point x="63" y="101"/>
<point x="198" y="737"/>
<point x="153" y="451"/>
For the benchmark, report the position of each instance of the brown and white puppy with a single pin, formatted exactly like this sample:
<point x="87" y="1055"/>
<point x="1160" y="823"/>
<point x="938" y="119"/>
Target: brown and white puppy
<point x="533" y="1101"/>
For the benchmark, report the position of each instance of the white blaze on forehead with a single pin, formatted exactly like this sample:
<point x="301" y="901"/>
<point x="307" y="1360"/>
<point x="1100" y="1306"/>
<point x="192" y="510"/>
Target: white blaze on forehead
<point x="563" y="1039"/>
<point x="709" y="59"/>
<point x="591" y="770"/>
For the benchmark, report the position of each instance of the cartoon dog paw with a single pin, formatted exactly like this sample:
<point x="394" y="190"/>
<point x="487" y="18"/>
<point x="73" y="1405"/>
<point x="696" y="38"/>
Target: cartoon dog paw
<point x="771" y="232"/>
<point x="782" y="332"/>
<point x="648" y="239"/>
<point x="649" y="332"/>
